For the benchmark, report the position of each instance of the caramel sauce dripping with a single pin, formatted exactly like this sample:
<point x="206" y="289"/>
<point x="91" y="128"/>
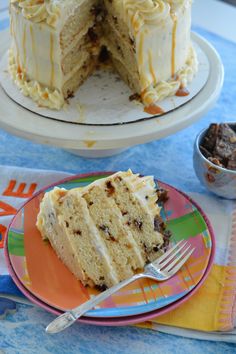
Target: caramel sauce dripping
<point x="11" y="27"/>
<point x="24" y="47"/>
<point x="34" y="51"/>
<point x="174" y="18"/>
<point x="17" y="49"/>
<point x="140" y="53"/>
<point x="153" y="109"/>
<point x="19" y="71"/>
<point x="151" y="69"/>
<point x="182" y="92"/>
<point x="52" y="60"/>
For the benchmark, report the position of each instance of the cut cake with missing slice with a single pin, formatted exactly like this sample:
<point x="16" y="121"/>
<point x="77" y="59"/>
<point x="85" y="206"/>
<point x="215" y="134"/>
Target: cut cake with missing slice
<point x="107" y="231"/>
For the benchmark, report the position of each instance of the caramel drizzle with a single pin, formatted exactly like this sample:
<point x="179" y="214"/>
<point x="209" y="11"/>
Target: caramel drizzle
<point x="16" y="44"/>
<point x="140" y="52"/>
<point x="11" y="27"/>
<point x="52" y="60"/>
<point x="173" y="45"/>
<point x="24" y="47"/>
<point x="34" y="52"/>
<point x="140" y="59"/>
<point x="151" y="69"/>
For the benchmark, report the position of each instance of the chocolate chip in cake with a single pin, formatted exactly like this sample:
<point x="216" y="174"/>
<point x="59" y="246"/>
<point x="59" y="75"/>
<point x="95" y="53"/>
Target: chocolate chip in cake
<point x="138" y="224"/>
<point x="156" y="248"/>
<point x="159" y="224"/>
<point x="92" y="35"/>
<point x="105" y="229"/>
<point x="112" y="238"/>
<point x="101" y="287"/>
<point x="110" y="189"/>
<point x="77" y="232"/>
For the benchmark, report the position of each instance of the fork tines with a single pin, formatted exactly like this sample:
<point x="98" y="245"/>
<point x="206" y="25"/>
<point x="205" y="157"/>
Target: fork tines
<point x="175" y="257"/>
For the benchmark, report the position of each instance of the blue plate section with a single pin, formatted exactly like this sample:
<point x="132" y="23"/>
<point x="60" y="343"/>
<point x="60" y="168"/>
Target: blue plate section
<point x="135" y="310"/>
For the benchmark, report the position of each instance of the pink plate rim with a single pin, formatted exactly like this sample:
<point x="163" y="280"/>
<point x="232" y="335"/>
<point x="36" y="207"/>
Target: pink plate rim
<point x="116" y="321"/>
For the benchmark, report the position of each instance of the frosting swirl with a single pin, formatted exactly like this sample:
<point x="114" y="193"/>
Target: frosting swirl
<point x="39" y="11"/>
<point x="142" y="12"/>
<point x="150" y="12"/>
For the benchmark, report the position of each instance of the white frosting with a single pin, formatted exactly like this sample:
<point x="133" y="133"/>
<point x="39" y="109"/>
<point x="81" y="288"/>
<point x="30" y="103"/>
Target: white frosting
<point x="54" y="13"/>
<point x="161" y="33"/>
<point x="43" y="96"/>
<point x="160" y="30"/>
<point x="36" y="53"/>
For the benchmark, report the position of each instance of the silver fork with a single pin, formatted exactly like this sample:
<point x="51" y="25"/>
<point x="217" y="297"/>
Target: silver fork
<point x="161" y="269"/>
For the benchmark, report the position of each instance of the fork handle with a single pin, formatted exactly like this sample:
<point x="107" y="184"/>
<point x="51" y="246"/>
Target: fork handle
<point x="68" y="318"/>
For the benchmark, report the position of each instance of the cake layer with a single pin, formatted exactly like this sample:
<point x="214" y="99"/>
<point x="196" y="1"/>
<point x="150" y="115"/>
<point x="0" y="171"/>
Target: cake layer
<point x="76" y="78"/>
<point x="78" y="23"/>
<point x="122" y="51"/>
<point x="107" y="218"/>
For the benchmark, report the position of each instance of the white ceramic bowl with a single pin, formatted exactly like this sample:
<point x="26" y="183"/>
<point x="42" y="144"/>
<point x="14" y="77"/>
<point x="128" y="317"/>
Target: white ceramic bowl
<point x="216" y="179"/>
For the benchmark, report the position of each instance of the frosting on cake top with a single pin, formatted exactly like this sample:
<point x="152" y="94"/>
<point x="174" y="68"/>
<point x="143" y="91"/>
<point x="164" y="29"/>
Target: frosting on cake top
<point x="137" y="12"/>
<point x="39" y="10"/>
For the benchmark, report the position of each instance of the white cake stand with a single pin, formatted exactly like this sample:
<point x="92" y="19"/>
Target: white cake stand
<point x="101" y="141"/>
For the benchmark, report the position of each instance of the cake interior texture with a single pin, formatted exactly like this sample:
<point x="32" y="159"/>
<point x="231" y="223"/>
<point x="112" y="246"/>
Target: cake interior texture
<point x="105" y="232"/>
<point x="57" y="44"/>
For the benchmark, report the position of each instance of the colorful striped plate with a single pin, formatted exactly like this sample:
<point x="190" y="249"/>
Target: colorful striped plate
<point x="38" y="269"/>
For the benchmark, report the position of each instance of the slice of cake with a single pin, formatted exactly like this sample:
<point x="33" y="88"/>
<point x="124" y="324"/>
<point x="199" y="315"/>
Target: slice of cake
<point x="56" y="45"/>
<point x="107" y="231"/>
